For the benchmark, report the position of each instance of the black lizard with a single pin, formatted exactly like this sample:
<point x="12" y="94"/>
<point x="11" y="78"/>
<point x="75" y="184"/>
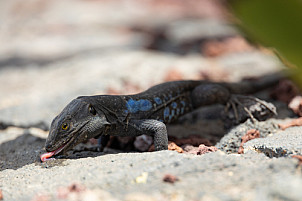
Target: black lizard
<point x="147" y="113"/>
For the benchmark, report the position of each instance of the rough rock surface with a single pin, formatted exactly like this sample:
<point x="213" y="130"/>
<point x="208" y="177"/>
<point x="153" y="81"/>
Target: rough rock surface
<point x="231" y="141"/>
<point x="214" y="175"/>
<point x="282" y="143"/>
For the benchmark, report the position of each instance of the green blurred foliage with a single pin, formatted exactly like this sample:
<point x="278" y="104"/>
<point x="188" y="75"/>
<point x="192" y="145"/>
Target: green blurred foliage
<point x="276" y="24"/>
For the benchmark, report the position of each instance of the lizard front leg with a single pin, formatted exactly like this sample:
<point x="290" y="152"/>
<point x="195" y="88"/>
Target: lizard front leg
<point x="155" y="128"/>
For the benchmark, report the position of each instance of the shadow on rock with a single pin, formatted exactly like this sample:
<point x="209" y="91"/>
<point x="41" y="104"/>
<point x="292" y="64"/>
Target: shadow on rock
<point x="21" y="151"/>
<point x="26" y="149"/>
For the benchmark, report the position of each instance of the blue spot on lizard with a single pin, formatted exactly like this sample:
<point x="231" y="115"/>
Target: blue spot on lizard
<point x="134" y="106"/>
<point x="166" y="112"/>
<point x="182" y="109"/>
<point x="158" y="100"/>
<point x="144" y="105"/>
<point x="171" y="115"/>
<point x="174" y="105"/>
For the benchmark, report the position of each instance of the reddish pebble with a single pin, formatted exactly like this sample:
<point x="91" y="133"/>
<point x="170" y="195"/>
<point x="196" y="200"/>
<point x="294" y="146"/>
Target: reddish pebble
<point x="173" y="147"/>
<point x="299" y="157"/>
<point x="170" y="178"/>
<point x="250" y="134"/>
<point x="201" y="149"/>
<point x="295" y="122"/>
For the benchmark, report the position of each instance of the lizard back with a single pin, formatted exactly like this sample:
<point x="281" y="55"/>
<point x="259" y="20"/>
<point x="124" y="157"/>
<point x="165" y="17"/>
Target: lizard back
<point x="164" y="102"/>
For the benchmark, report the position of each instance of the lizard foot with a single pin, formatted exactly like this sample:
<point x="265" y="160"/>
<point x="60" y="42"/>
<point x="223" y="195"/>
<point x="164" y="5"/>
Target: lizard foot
<point x="241" y="107"/>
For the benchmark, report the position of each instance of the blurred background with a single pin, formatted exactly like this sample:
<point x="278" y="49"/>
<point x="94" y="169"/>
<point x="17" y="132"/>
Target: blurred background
<point x="54" y="51"/>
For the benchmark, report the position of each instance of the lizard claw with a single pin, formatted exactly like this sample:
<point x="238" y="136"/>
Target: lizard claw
<point x="244" y="107"/>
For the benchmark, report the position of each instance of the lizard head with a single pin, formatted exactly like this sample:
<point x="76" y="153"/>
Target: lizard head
<point x="77" y="122"/>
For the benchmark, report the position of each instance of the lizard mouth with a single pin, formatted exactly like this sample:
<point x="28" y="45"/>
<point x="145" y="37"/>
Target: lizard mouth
<point x="47" y="156"/>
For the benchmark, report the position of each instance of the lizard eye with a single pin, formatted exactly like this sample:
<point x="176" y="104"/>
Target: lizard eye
<point x="64" y="126"/>
<point x="92" y="110"/>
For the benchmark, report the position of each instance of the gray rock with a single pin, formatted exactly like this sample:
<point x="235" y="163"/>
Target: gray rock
<point x="282" y="143"/>
<point x="215" y="175"/>
<point x="231" y="141"/>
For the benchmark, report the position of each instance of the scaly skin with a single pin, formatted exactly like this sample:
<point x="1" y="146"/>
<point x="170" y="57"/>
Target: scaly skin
<point x="145" y="113"/>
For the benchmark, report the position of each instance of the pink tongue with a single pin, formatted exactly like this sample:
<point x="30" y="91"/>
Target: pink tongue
<point x="46" y="156"/>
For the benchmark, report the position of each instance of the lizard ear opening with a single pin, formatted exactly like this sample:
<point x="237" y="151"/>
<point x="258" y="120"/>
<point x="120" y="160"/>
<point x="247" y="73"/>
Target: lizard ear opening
<point x="92" y="110"/>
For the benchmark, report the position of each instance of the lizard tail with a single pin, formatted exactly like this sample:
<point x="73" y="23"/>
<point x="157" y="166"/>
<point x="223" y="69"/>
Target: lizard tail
<point x="254" y="85"/>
